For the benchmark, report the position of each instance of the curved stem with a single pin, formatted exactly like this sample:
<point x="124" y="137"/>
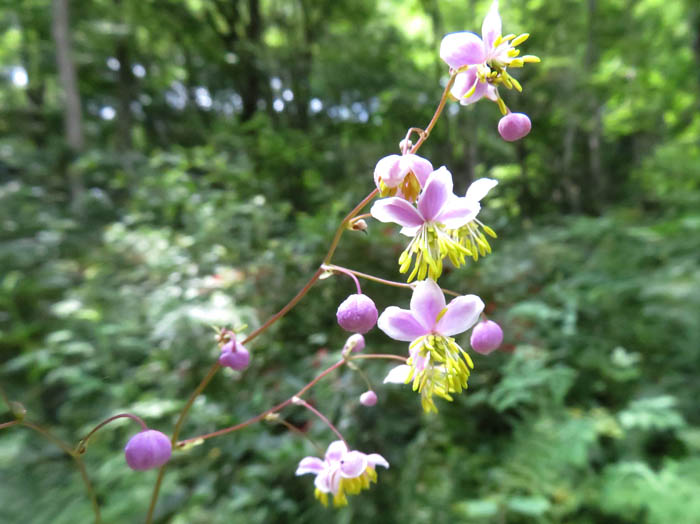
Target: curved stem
<point x="341" y="229"/>
<point x="426" y="133"/>
<point x="83" y="442"/>
<point x="301" y="402"/>
<point x="78" y="460"/>
<point x="8" y="424"/>
<point x="367" y="276"/>
<point x="265" y="413"/>
<point x="383" y="356"/>
<point x="347" y="272"/>
<point x="294" y="429"/>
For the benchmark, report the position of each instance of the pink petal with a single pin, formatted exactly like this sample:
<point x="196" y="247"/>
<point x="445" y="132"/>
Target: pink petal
<point x="323" y="481"/>
<point x="398" y="374"/>
<point x="353" y="464"/>
<point x="437" y="190"/>
<point x="462" y="313"/>
<point x="375" y="459"/>
<point x="481" y="90"/>
<point x="457" y="212"/>
<point x="390" y="170"/>
<point x="426" y="303"/>
<point x="463" y="83"/>
<point x="491" y="28"/>
<point x="400" y="324"/>
<point x="397" y="210"/>
<point x="418" y="165"/>
<point x="310" y="465"/>
<point x="336" y="450"/>
<point x="480" y="188"/>
<point x="461" y="49"/>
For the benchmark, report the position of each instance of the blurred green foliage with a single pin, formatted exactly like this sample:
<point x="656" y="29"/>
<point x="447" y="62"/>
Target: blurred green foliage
<point x="223" y="141"/>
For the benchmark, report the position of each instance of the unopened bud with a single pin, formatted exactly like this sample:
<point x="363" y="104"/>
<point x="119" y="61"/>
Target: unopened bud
<point x="357" y="314"/>
<point x="514" y="126"/>
<point x="368" y="398"/>
<point x="486" y="337"/>
<point x="354" y="343"/>
<point x="147" y="450"/>
<point x="358" y="225"/>
<point x="234" y="355"/>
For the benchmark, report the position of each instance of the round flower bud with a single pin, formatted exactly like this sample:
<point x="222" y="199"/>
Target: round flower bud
<point x="234" y="355"/>
<point x="147" y="450"/>
<point x="354" y="343"/>
<point x="357" y="314"/>
<point x="486" y="336"/>
<point x="514" y="126"/>
<point x="368" y="398"/>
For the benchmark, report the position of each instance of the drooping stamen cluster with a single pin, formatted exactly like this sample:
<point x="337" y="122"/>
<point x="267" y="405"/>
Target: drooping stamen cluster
<point x="439" y="366"/>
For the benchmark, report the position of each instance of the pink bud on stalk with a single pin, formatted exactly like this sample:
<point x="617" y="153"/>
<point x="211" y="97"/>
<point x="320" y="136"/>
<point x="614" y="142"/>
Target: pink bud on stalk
<point x="355" y="343"/>
<point x="514" y="126"/>
<point x="368" y="398"/>
<point x="234" y="355"/>
<point x="486" y="337"/>
<point x="357" y="314"/>
<point x="147" y="450"/>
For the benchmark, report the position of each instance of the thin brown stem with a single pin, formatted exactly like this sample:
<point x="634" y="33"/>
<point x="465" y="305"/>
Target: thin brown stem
<point x="445" y="94"/>
<point x="367" y="276"/>
<point x="8" y="424"/>
<point x="341" y="229"/>
<point x="383" y="356"/>
<point x="265" y="413"/>
<point x="78" y="461"/>
<point x="83" y="442"/>
<point x="301" y="402"/>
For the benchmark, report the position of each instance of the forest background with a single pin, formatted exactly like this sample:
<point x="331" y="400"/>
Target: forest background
<point x="191" y="172"/>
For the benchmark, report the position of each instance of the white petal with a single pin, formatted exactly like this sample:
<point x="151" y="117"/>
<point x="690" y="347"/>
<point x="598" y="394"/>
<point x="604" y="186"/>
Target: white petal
<point x="480" y="188"/>
<point x="398" y="375"/>
<point x="377" y="460"/>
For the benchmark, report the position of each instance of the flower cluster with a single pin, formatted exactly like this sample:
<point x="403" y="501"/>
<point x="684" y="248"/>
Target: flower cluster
<point x="481" y="66"/>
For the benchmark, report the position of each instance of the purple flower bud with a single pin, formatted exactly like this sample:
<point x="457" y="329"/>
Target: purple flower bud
<point x="486" y="336"/>
<point x="368" y="398"/>
<point x="147" y="450"/>
<point x="514" y="126"/>
<point x="234" y="355"/>
<point x="354" y="343"/>
<point x="357" y="314"/>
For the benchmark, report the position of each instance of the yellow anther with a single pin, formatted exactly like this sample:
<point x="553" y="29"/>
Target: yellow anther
<point x="520" y="39"/>
<point x="531" y="59"/>
<point x="513" y="53"/>
<point x="516" y="84"/>
<point x="517" y="62"/>
<point x="502" y="106"/>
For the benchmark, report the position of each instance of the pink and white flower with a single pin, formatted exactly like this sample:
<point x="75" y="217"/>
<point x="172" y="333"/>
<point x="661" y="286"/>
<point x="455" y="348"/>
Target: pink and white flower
<point x="482" y="61"/>
<point x="341" y="472"/>
<point x="438" y="210"/>
<point x="437" y="364"/>
<point x="402" y="175"/>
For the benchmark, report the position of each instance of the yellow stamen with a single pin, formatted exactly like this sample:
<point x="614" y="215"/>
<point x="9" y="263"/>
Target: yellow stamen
<point x="519" y="40"/>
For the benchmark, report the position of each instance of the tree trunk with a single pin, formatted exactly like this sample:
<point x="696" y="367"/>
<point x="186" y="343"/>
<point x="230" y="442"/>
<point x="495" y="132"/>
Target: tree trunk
<point x="73" y="113"/>
<point x="66" y="70"/>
